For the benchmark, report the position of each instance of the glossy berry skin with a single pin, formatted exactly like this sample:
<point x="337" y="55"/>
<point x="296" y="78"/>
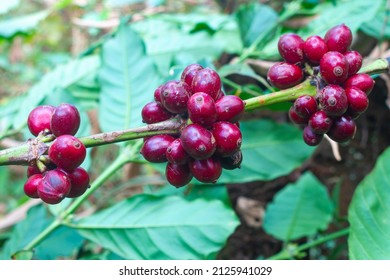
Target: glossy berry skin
<point x="361" y="81"/>
<point x="175" y="153"/>
<point x="228" y="138"/>
<point x="295" y="118"/>
<point x="334" y="68"/>
<point x="79" y="180"/>
<point x="314" y="48"/>
<point x="201" y="109"/>
<point x="197" y="141"/>
<point x="231" y="162"/>
<point x="284" y="75"/>
<point x="178" y="175"/>
<point x="54" y="186"/>
<point x="154" y="112"/>
<point x="355" y="61"/>
<point x="39" y="119"/>
<point x="320" y="122"/>
<point x="338" y="38"/>
<point x="65" y="120"/>
<point x="310" y="137"/>
<point x="189" y="72"/>
<point x="32" y="170"/>
<point x="290" y="47"/>
<point x="333" y="100"/>
<point x="229" y="108"/>
<point x="207" y="170"/>
<point x="157" y="94"/>
<point x="174" y="97"/>
<point x="305" y="106"/>
<point x="207" y="81"/>
<point x="155" y="147"/>
<point x="31" y="185"/>
<point x="343" y="129"/>
<point x="357" y="100"/>
<point x="67" y="152"/>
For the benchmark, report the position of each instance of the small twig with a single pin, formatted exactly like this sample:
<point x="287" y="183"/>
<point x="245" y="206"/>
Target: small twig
<point x="335" y="148"/>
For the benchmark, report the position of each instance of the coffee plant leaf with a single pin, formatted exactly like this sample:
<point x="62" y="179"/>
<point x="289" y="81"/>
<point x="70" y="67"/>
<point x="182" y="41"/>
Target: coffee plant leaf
<point x="376" y="27"/>
<point x="6" y="6"/>
<point x="22" y="24"/>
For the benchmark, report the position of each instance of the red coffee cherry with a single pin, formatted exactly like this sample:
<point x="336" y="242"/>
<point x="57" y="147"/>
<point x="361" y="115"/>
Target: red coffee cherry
<point x="305" y="106"/>
<point x="228" y="138"/>
<point x="31" y="185"/>
<point x="290" y="47"/>
<point x="79" y="180"/>
<point x="189" y="72"/>
<point x="333" y="100"/>
<point x="207" y="81"/>
<point x="32" y="170"/>
<point x="229" y="108"/>
<point x="154" y="112"/>
<point x="357" y="100"/>
<point x="355" y="61"/>
<point x="361" y="81"/>
<point x="178" y="175"/>
<point x="175" y="153"/>
<point x="338" y="38"/>
<point x="155" y="147"/>
<point x="314" y="48"/>
<point x="65" y="120"/>
<point x="39" y="119"/>
<point x="174" y="97"/>
<point x="320" y="122"/>
<point x="334" y="68"/>
<point x="201" y="109"/>
<point x="232" y="162"/>
<point x="283" y="75"/>
<point x="197" y="141"/>
<point x="295" y="118"/>
<point x="54" y="186"/>
<point x="343" y="129"/>
<point x="157" y="94"/>
<point x="311" y="138"/>
<point x="207" y="170"/>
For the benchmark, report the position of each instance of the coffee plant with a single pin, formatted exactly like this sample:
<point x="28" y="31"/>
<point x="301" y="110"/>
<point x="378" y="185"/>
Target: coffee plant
<point x="175" y="134"/>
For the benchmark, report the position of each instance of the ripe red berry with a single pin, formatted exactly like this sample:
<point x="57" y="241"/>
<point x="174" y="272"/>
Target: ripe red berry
<point x="54" y="186"/>
<point x="197" y="141"/>
<point x="305" y="106"/>
<point x="228" y="138"/>
<point x="290" y="47"/>
<point x="207" y="81"/>
<point x="32" y="170"/>
<point x="65" y="120"/>
<point x="175" y="152"/>
<point x="178" y="175"/>
<point x="155" y="147"/>
<point x="295" y="118"/>
<point x="361" y="81"/>
<point x="157" y="94"/>
<point x="343" y="129"/>
<point x="67" y="152"/>
<point x="174" y="97"/>
<point x="334" y="68"/>
<point x="357" y="100"/>
<point x="338" y="38"/>
<point x="31" y="185"/>
<point x="232" y="162"/>
<point x="189" y="72"/>
<point x="154" y="112"/>
<point x="333" y="100"/>
<point x="39" y="119"/>
<point x="284" y="75"/>
<point x="79" y="180"/>
<point x="355" y="61"/>
<point x="201" y="109"/>
<point x="320" y="122"/>
<point x="229" y="108"/>
<point x="207" y="170"/>
<point x="311" y="138"/>
<point x="314" y="48"/>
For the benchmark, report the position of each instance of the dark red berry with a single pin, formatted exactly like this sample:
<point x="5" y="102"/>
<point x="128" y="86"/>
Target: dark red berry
<point x="343" y="129"/>
<point x="178" y="175"/>
<point x="31" y="185"/>
<point x="32" y="170"/>
<point x="311" y="138"/>
<point x="39" y="119"/>
<point x="67" y="152"/>
<point x="65" y="120"/>
<point x="228" y="138"/>
<point x="334" y="68"/>
<point x="197" y="141"/>
<point x="207" y="170"/>
<point x="79" y="180"/>
<point x="284" y="75"/>
<point x="220" y="95"/>
<point x="175" y="152"/>
<point x="229" y="108"/>
<point x="174" y="97"/>
<point x="207" y="81"/>
<point x="305" y="106"/>
<point x="295" y="118"/>
<point x="232" y="162"/>
<point x="201" y="109"/>
<point x="290" y="47"/>
<point x="314" y="48"/>
<point x="355" y="61"/>
<point x="320" y="122"/>
<point x="357" y="100"/>
<point x="333" y="100"/>
<point x="361" y="81"/>
<point x="338" y="38"/>
<point x="54" y="186"/>
<point x="154" y="112"/>
<point x="157" y="94"/>
<point x="189" y="72"/>
<point x="155" y="147"/>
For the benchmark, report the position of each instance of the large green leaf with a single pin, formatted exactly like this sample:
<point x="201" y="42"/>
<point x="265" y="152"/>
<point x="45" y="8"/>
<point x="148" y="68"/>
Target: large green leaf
<point x="300" y="209"/>
<point x="8" y="5"/>
<point x="377" y="27"/>
<point x="369" y="214"/>
<point x="23" y="24"/>
<point x="128" y="79"/>
<point x="161" y="227"/>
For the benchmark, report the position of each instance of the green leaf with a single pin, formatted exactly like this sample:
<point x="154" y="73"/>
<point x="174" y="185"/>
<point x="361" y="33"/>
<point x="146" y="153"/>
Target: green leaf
<point x="300" y="209"/>
<point x="128" y="79"/>
<point x="6" y="6"/>
<point x="377" y="27"/>
<point x="369" y="214"/>
<point x="21" y="25"/>
<point x="161" y="227"/>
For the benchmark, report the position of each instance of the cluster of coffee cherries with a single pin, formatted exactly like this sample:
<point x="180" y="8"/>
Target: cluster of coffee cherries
<point x="57" y="175"/>
<point x="212" y="138"/>
<point x="342" y="91"/>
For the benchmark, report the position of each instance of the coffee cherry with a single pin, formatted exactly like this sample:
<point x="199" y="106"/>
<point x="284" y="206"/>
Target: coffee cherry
<point x="290" y="47"/>
<point x="178" y="175"/>
<point x="333" y="100"/>
<point x="189" y="72"/>
<point x="355" y="61"/>
<point x="231" y="162"/>
<point x="314" y="48"/>
<point x="343" y="129"/>
<point x="229" y="108"/>
<point x="154" y="112"/>
<point x="31" y="185"/>
<point x="175" y="153"/>
<point x="334" y="68"/>
<point x="155" y="147"/>
<point x="54" y="186"/>
<point x="305" y="106"/>
<point x="283" y="75"/>
<point x="220" y="95"/>
<point x="157" y="94"/>
<point x="207" y="81"/>
<point x="228" y="138"/>
<point x="311" y="138"/>
<point x="357" y="100"/>
<point x="67" y="152"/>
<point x="338" y="38"/>
<point x="39" y="119"/>
<point x="361" y="81"/>
<point x="201" y="109"/>
<point x="197" y="141"/>
<point x="174" y="97"/>
<point x="32" y="170"/>
<point x="79" y="180"/>
<point x="320" y="123"/>
<point x="295" y="118"/>
<point x="207" y="170"/>
<point x="65" y="120"/>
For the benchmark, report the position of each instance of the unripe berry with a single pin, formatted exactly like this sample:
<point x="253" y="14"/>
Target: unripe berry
<point x="39" y="119"/>
<point x="305" y="106"/>
<point x="338" y="38"/>
<point x="314" y="48"/>
<point x="207" y="81"/>
<point x="65" y="120"/>
<point x="357" y="100"/>
<point x="79" y="180"/>
<point x="333" y="100"/>
<point x="189" y="72"/>
<point x="154" y="112"/>
<point x="232" y="162"/>
<point x="175" y="152"/>
<point x="229" y="108"/>
<point x="228" y="138"/>
<point x="284" y="75"/>
<point x="355" y="61"/>
<point x="174" y="97"/>
<point x="310" y="137"/>
<point x="207" y="170"/>
<point x="201" y="109"/>
<point x="31" y="185"/>
<point x="54" y="186"/>
<point x="290" y="47"/>
<point x="320" y="122"/>
<point x="197" y="141"/>
<point x="334" y="68"/>
<point x="361" y="81"/>
<point x="178" y="175"/>
<point x="343" y="129"/>
<point x="155" y="147"/>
